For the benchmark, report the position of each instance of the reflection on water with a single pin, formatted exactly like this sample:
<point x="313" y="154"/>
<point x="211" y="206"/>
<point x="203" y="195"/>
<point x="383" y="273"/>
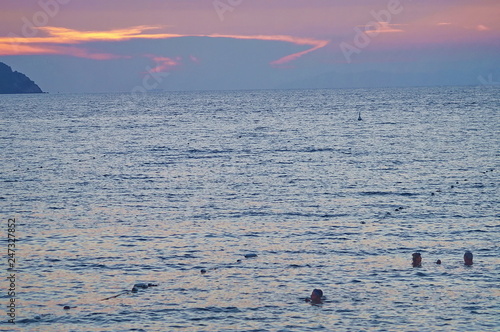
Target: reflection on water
<point x="109" y="195"/>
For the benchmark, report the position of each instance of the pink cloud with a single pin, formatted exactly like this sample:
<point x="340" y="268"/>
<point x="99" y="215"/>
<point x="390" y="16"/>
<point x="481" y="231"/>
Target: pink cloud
<point x="194" y="59"/>
<point x="315" y="43"/>
<point x="481" y="27"/>
<point x="382" y="27"/>
<point x="295" y="56"/>
<point x="83" y="53"/>
<point x="164" y="63"/>
<point x="27" y="49"/>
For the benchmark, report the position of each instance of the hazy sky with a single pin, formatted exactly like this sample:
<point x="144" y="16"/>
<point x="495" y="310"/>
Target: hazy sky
<point x="132" y="45"/>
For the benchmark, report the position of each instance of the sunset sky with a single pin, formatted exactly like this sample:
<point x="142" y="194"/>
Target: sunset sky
<point x="122" y="45"/>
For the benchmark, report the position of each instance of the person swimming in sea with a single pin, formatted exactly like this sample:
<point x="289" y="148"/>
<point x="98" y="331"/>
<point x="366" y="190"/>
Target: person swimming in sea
<point x="316" y="296"/>
<point x="468" y="258"/>
<point x="416" y="259"/>
<point x="135" y="289"/>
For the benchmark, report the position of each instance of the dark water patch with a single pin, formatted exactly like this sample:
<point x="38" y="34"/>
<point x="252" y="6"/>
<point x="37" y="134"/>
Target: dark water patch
<point x="180" y="256"/>
<point x="158" y="163"/>
<point x="87" y="266"/>
<point x="56" y="208"/>
<point x="312" y="150"/>
<point x="387" y="193"/>
<point x="298" y="266"/>
<point x="52" y="260"/>
<point x="48" y="318"/>
<point x="469" y="231"/>
<point x="161" y="148"/>
<point x="253" y="234"/>
<point x="217" y="309"/>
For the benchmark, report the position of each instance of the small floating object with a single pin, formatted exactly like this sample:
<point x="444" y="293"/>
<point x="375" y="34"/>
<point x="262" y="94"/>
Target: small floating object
<point x="135" y="289"/>
<point x="250" y="255"/>
<point x="67" y="307"/>
<point x="203" y="271"/>
<point x="142" y="285"/>
<point x="438" y="262"/>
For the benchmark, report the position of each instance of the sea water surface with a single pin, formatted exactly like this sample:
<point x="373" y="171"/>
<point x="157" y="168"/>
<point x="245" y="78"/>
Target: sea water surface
<point x="109" y="190"/>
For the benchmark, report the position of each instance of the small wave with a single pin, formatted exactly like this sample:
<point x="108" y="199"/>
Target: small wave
<point x="37" y="319"/>
<point x="312" y="150"/>
<point x="297" y="266"/>
<point x="386" y="193"/>
<point x="218" y="309"/>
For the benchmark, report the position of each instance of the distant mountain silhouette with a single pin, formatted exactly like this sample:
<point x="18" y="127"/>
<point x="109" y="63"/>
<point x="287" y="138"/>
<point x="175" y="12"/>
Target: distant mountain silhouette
<point x="15" y="82"/>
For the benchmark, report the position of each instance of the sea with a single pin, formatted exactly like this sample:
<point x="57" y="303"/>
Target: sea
<point x="230" y="207"/>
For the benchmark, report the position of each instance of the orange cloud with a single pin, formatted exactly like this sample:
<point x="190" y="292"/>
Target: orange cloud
<point x="54" y="36"/>
<point x="11" y="48"/>
<point x="15" y="49"/>
<point x="64" y="35"/>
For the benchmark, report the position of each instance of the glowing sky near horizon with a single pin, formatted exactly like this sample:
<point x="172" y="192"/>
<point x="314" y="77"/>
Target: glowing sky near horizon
<point x="313" y="33"/>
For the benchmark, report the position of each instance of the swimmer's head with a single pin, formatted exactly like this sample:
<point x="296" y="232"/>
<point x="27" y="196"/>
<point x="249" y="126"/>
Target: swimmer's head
<point x="416" y="259"/>
<point x="316" y="296"/>
<point x="468" y="258"/>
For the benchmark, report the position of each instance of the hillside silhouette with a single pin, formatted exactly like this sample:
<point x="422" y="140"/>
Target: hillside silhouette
<point x="16" y="82"/>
